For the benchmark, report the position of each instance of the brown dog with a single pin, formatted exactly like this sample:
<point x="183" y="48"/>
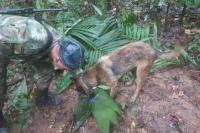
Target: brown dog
<point x="109" y="68"/>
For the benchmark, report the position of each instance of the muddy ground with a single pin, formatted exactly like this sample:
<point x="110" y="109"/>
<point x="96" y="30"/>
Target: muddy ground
<point x="169" y="103"/>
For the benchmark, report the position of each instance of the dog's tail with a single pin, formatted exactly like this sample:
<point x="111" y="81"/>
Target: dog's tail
<point x="178" y="49"/>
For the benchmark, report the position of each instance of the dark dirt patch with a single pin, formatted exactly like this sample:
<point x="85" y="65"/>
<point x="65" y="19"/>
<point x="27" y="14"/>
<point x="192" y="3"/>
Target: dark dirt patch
<point x="169" y="103"/>
<point x="53" y="119"/>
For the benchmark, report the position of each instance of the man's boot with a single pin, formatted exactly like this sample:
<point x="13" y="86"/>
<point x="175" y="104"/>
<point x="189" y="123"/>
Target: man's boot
<point x="43" y="98"/>
<point x="3" y="128"/>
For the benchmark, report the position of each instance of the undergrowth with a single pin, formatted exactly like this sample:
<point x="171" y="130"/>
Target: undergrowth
<point x="99" y="35"/>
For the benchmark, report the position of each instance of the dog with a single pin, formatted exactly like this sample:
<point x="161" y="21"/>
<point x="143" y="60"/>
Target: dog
<point x="111" y="67"/>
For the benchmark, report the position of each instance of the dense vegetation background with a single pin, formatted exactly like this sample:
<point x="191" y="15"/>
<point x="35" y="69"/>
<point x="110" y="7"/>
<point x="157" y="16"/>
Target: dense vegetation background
<point x="104" y="25"/>
<point x="95" y="23"/>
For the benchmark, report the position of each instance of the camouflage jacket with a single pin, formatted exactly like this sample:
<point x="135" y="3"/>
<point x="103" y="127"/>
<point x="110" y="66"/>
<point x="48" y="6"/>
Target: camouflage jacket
<point x="24" y="37"/>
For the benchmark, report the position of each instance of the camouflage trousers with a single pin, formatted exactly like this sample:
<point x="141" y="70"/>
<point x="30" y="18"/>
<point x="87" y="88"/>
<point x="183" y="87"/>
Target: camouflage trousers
<point x="41" y="76"/>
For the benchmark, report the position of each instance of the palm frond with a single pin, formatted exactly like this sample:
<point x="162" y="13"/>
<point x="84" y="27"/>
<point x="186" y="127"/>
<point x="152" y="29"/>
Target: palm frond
<point x="164" y="63"/>
<point x="136" y="32"/>
<point x="98" y="36"/>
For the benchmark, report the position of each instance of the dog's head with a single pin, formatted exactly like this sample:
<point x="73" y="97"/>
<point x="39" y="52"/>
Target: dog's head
<point x="85" y="80"/>
<point x="76" y="76"/>
<point x="80" y="79"/>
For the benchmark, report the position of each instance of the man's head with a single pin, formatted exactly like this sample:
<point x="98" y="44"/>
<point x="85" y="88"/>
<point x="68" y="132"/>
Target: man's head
<point x="67" y="54"/>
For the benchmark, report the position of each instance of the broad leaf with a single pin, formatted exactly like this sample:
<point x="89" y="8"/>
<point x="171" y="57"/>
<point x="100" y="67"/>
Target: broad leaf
<point x="105" y="111"/>
<point x="83" y="111"/>
<point x="97" y="10"/>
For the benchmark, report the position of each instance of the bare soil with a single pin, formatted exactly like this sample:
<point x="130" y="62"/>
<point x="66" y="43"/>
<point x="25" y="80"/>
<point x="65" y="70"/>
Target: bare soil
<point x="169" y="103"/>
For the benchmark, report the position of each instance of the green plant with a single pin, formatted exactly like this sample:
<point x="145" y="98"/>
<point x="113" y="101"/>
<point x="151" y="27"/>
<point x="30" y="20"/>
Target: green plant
<point x="141" y="33"/>
<point x="18" y="106"/>
<point x="101" y="106"/>
<point x="188" y="3"/>
<point x="63" y="83"/>
<point x="127" y="17"/>
<point x="97" y="35"/>
<point x="83" y="111"/>
<point x="158" y="64"/>
<point x="192" y="54"/>
<point x="136" y="32"/>
<point x="105" y="111"/>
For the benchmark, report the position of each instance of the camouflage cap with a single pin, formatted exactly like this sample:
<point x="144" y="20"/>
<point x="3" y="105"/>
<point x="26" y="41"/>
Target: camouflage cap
<point x="70" y="53"/>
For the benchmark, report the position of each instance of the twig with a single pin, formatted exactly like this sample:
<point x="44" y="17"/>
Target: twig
<point x="70" y="129"/>
<point x="14" y="82"/>
<point x="166" y="17"/>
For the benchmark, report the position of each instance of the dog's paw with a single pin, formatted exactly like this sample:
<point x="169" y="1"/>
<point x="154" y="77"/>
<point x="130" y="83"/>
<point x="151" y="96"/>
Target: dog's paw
<point x="133" y="99"/>
<point x="122" y="102"/>
<point x="122" y="99"/>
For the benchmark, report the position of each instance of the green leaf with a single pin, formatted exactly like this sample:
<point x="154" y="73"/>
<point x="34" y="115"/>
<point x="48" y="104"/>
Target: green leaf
<point x="136" y="32"/>
<point x="104" y="87"/>
<point x="163" y="63"/>
<point x="105" y="111"/>
<point x="155" y="39"/>
<point x="39" y="4"/>
<point x="102" y="107"/>
<point x="185" y="55"/>
<point x="97" y="10"/>
<point x="98" y="36"/>
<point x="113" y="45"/>
<point x="53" y="1"/>
<point x="63" y="83"/>
<point x="139" y="31"/>
<point x="83" y="110"/>
<point x="135" y="29"/>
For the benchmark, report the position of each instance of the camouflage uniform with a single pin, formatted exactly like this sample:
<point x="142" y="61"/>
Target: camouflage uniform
<point x="23" y="38"/>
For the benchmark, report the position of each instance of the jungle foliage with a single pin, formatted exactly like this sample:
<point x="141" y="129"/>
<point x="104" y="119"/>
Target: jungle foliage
<point x="104" y="25"/>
